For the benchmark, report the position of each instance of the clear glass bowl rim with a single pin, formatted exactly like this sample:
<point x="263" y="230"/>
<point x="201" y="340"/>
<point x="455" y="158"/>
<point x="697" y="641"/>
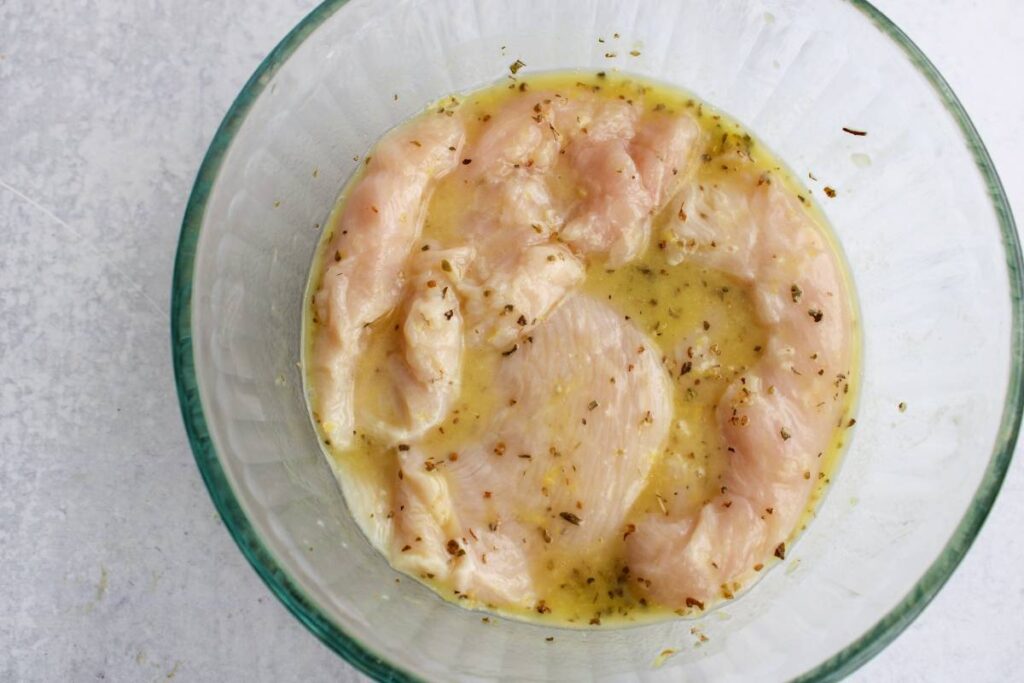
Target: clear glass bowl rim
<point x="288" y="591"/>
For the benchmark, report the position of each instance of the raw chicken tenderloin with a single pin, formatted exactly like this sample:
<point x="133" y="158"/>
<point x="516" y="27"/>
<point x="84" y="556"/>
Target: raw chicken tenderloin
<point x="518" y="137"/>
<point x="540" y="480"/>
<point x="665" y="150"/>
<point x="626" y="164"/>
<point x="425" y="373"/>
<point x="777" y="419"/>
<point x="381" y="220"/>
<point x="614" y="216"/>
<point x="519" y="276"/>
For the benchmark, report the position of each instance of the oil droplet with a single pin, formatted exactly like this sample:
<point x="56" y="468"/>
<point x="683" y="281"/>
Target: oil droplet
<point x="860" y="159"/>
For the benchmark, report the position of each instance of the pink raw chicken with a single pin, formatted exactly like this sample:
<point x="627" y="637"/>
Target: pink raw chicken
<point x="778" y="418"/>
<point x="624" y="164"/>
<point x="380" y="223"/>
<point x="537" y="464"/>
<point x="424" y="376"/>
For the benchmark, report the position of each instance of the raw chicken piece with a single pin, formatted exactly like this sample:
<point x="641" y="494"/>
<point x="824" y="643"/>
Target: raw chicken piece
<point x="665" y="150"/>
<point x="425" y="519"/>
<point x="568" y="452"/>
<point x="432" y="541"/>
<point x="518" y="276"/>
<point x="519" y="292"/>
<point x="625" y="169"/>
<point x="777" y="419"/>
<point x="517" y="211"/>
<point x="614" y="216"/>
<point x="519" y="136"/>
<point x="381" y="220"/>
<point x="597" y="119"/>
<point x="711" y="224"/>
<point x="423" y="376"/>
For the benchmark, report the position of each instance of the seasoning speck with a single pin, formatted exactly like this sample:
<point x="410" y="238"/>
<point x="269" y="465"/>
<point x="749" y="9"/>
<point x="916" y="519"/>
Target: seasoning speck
<point x="662" y="656"/>
<point x="515" y="66"/>
<point x="570" y="517"/>
<point x="853" y="131"/>
<point x="902" y="407"/>
<point x="830" y="192"/>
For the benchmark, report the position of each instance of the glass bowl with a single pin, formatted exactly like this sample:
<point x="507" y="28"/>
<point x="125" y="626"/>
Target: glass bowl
<point x="919" y="211"/>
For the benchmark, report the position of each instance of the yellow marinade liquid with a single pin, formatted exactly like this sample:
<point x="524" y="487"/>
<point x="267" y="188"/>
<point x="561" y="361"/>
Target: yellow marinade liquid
<point x="668" y="303"/>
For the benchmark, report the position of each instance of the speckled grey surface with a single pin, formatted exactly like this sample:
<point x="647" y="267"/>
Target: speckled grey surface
<point x="113" y="563"/>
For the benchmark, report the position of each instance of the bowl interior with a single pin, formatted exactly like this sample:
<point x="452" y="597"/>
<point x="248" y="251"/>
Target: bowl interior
<point x="919" y="214"/>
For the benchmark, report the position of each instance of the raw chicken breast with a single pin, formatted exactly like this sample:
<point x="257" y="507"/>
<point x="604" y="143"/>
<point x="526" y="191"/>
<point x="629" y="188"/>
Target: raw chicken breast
<point x="517" y="137"/>
<point x="777" y="419"/>
<point x="665" y="150"/>
<point x="519" y="291"/>
<point x="598" y="119"/>
<point x="518" y="276"/>
<point x="615" y="215"/>
<point x="588" y="403"/>
<point x="422" y="375"/>
<point x="519" y="206"/>
<point x="381" y="220"/>
<point x="625" y="168"/>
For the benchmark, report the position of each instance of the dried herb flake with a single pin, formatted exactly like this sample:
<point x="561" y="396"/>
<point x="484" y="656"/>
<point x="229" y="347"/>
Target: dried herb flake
<point x="570" y="517"/>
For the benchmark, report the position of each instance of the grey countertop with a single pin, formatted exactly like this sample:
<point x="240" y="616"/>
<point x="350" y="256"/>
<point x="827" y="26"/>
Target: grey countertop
<point x="113" y="562"/>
